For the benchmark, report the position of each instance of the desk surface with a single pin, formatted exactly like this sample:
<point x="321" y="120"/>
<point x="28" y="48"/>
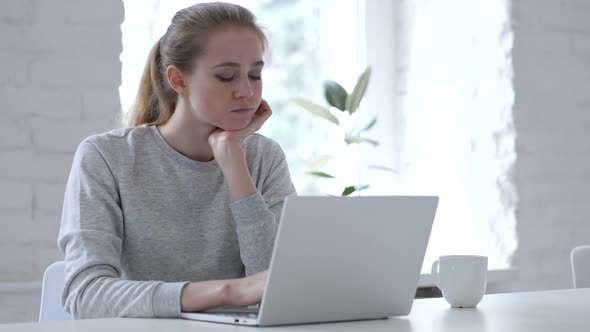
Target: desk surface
<point x="561" y="310"/>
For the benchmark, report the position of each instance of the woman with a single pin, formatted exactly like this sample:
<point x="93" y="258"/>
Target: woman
<point x="179" y="212"/>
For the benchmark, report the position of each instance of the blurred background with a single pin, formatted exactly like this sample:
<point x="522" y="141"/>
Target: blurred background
<point x="483" y="103"/>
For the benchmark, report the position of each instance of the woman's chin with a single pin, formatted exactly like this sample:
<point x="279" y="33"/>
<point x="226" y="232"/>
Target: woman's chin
<point x="234" y="126"/>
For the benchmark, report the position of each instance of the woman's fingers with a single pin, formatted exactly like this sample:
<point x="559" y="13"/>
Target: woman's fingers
<point x="263" y="113"/>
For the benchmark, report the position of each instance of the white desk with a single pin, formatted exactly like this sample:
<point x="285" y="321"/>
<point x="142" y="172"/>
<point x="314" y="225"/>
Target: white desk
<point x="563" y="310"/>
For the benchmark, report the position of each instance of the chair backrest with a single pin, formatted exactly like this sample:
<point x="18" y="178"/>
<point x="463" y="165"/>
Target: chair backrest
<point x="53" y="283"/>
<point x="580" y="259"/>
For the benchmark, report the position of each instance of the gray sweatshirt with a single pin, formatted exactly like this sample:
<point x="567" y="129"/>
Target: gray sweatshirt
<point x="140" y="220"/>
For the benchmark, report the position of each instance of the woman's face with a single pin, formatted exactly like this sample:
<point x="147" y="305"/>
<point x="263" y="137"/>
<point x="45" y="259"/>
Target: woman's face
<point x="225" y="87"/>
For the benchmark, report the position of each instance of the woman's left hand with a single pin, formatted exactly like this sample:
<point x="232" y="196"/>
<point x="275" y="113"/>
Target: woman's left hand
<point x="221" y="137"/>
<point x="227" y="150"/>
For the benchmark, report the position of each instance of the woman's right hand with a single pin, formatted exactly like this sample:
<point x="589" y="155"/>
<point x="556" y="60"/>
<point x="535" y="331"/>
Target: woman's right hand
<point x="248" y="290"/>
<point x="204" y="295"/>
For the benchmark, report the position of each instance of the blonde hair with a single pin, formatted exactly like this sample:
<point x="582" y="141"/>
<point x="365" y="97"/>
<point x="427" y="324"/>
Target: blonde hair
<point x="182" y="43"/>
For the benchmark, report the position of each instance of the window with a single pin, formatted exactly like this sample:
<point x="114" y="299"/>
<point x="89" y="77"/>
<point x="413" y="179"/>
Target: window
<point x="441" y="89"/>
<point x="448" y="121"/>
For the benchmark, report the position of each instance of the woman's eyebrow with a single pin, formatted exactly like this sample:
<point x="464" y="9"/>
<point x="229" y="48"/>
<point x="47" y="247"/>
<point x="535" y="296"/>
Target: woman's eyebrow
<point x="259" y="63"/>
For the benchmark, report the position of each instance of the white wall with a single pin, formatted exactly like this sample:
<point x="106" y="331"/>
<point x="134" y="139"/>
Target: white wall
<point x="60" y="73"/>
<point x="551" y="59"/>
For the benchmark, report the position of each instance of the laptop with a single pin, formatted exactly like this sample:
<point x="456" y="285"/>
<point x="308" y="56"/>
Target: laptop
<point x="340" y="259"/>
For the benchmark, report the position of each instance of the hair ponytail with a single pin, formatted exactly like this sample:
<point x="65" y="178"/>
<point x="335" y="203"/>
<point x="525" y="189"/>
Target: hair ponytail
<point x="153" y="104"/>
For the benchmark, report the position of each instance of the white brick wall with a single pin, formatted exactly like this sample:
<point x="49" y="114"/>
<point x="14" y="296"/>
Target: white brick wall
<point x="551" y="58"/>
<point x="60" y="68"/>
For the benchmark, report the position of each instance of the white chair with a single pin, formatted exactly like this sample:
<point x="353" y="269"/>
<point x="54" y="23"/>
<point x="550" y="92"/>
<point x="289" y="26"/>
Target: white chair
<point x="53" y="283"/>
<point x="580" y="259"/>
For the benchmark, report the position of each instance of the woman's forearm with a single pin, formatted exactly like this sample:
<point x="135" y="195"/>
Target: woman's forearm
<point x="235" y="170"/>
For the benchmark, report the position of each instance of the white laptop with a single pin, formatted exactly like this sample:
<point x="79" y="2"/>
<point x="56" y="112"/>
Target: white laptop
<point x="340" y="259"/>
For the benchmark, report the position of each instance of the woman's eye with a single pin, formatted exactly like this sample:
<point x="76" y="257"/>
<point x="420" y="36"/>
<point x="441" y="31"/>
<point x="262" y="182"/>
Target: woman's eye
<point x="225" y="78"/>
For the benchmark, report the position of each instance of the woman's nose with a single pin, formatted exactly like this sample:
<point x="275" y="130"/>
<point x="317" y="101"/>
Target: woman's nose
<point x="243" y="89"/>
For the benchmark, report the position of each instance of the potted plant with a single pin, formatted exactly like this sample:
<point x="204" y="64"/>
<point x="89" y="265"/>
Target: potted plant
<point x="341" y="112"/>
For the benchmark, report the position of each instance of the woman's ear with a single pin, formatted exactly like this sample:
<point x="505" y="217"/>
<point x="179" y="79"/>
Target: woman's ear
<point x="176" y="80"/>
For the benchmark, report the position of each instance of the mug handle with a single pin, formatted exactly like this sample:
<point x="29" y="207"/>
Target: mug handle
<point x="434" y="273"/>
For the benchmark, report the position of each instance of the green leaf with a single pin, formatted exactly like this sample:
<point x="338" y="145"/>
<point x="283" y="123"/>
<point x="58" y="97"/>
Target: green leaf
<point x="363" y="187"/>
<point x="316" y="109"/>
<point x="321" y="161"/>
<point x="321" y="175"/>
<point x="350" y="189"/>
<point x="382" y="168"/>
<point x="354" y="99"/>
<point x="357" y="139"/>
<point x="369" y="125"/>
<point x="335" y="94"/>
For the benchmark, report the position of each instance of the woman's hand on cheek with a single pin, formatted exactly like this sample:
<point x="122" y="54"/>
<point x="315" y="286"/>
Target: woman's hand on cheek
<point x="221" y="137"/>
<point x="262" y="114"/>
<point x="227" y="150"/>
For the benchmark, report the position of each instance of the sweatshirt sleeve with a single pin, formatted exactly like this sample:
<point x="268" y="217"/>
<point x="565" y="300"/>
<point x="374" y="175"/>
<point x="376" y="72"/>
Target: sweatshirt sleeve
<point x="257" y="216"/>
<point x="91" y="237"/>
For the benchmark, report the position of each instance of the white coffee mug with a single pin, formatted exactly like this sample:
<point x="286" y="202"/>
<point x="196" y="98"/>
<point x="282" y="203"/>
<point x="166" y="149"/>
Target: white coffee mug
<point x="461" y="278"/>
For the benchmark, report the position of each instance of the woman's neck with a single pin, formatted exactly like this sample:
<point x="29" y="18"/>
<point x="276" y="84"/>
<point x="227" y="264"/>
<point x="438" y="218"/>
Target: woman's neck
<point x="187" y="135"/>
